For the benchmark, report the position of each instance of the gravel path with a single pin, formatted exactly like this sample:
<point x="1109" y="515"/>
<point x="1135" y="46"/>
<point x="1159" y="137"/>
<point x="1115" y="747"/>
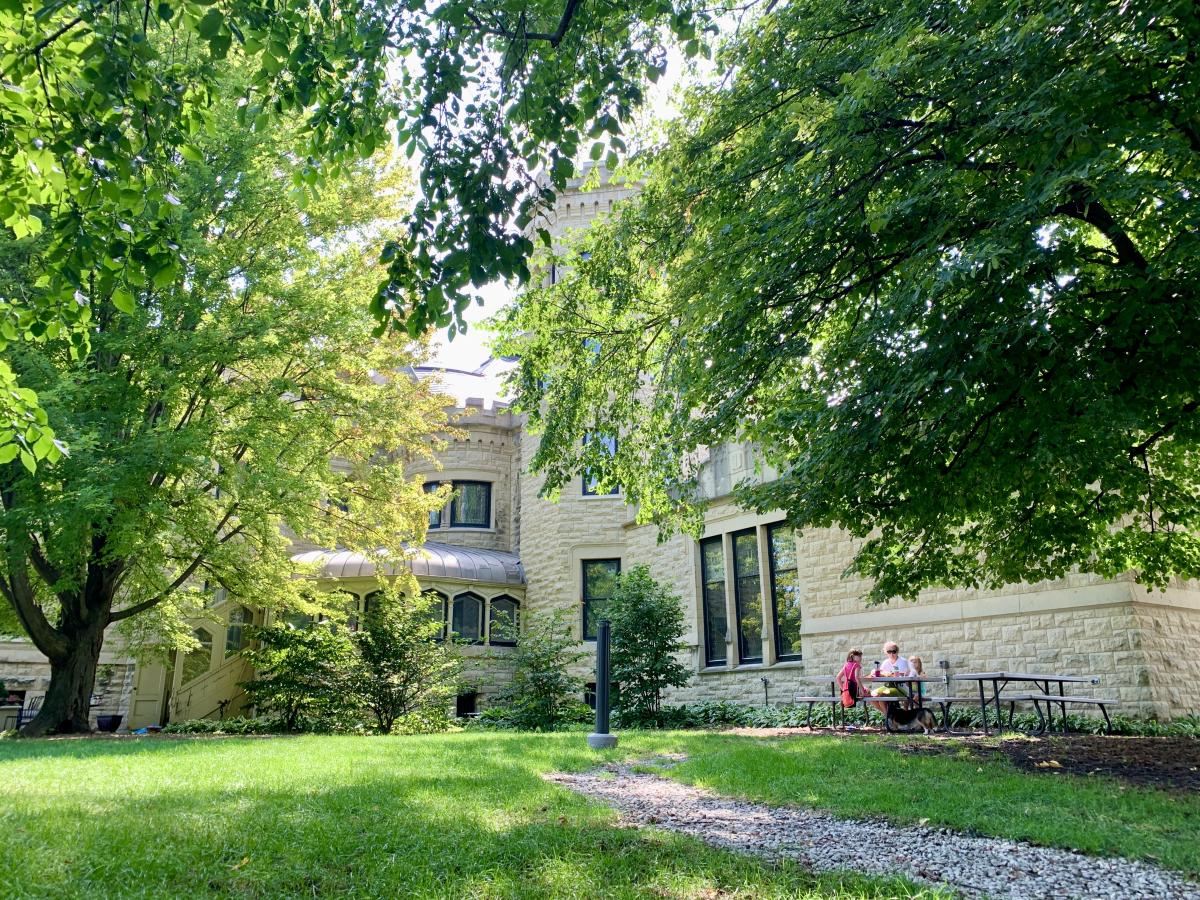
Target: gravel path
<point x="975" y="866"/>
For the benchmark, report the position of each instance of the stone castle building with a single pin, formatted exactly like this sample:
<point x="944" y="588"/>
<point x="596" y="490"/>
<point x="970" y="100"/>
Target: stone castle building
<point x="766" y="608"/>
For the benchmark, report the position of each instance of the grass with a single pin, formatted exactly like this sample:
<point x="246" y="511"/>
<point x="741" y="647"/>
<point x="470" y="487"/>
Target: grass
<point x="450" y="816"/>
<point x="466" y="815"/>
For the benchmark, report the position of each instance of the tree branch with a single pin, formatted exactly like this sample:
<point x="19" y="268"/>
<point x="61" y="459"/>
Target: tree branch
<point x="1085" y="208"/>
<point x="554" y="38"/>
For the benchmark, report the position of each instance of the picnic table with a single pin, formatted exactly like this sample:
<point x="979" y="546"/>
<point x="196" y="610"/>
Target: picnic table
<point x="1000" y="680"/>
<point x="911" y="691"/>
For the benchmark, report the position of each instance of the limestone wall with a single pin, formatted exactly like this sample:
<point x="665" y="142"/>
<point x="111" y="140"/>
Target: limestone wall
<point x="488" y="451"/>
<point x="1168" y="637"/>
<point x="557" y="537"/>
<point x="24" y="668"/>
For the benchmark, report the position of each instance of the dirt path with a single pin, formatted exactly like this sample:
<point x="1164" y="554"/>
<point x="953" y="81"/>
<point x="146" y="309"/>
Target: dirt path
<point x="974" y="866"/>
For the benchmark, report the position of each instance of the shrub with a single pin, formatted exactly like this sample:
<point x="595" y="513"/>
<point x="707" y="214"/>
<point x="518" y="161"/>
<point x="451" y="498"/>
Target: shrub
<point x="265" y="725"/>
<point x="647" y="632"/>
<point x="301" y="674"/>
<point x="542" y="695"/>
<point x="400" y="673"/>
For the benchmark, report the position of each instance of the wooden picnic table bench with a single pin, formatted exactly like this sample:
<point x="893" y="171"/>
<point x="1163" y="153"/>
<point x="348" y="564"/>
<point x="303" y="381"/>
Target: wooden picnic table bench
<point x="1001" y="680"/>
<point x="833" y="698"/>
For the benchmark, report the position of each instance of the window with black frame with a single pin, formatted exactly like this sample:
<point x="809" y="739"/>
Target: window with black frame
<point x="437" y="612"/>
<point x="591" y="483"/>
<point x="467" y="618"/>
<point x="747" y="583"/>
<point x="472" y="505"/>
<point x="716" y="619"/>
<point x="435" y="515"/>
<point x="599" y="584"/>
<point x="503" y="620"/>
<point x="785" y="591"/>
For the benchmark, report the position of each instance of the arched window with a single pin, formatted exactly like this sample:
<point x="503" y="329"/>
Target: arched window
<point x="235" y="634"/>
<point x="437" y="612"/>
<point x="503" y="621"/>
<point x="197" y="661"/>
<point x="467" y="620"/>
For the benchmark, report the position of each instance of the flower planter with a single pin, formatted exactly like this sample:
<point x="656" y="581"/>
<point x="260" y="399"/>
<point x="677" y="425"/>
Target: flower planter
<point x="108" y="723"/>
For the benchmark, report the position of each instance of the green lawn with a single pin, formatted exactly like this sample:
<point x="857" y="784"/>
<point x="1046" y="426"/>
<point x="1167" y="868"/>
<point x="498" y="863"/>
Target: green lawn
<point x="455" y="816"/>
<point x="465" y="815"/>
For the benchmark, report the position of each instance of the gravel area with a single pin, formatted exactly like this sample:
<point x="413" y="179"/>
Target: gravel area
<point x="974" y="866"/>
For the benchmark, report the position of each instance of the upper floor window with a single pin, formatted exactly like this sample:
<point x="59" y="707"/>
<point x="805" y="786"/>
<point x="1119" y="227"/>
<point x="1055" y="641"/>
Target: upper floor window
<point x="591" y="483"/>
<point x="435" y="515"/>
<point x="472" y="505"/>
<point x="235" y="634"/>
<point x="466" y="620"/>
<point x="502" y="620"/>
<point x="599" y="584"/>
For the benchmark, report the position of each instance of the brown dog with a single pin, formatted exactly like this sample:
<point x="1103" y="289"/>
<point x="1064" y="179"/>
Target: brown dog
<point x="909" y="720"/>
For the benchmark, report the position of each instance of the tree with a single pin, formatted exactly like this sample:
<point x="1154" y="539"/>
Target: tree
<point x="301" y="674"/>
<point x="402" y="670"/>
<point x="647" y="631"/>
<point x="938" y="262"/>
<point x="543" y="693"/>
<point x="106" y="102"/>
<point x="218" y="414"/>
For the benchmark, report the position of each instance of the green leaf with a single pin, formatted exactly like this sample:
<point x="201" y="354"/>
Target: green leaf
<point x="123" y="300"/>
<point x="210" y="25"/>
<point x="8" y="452"/>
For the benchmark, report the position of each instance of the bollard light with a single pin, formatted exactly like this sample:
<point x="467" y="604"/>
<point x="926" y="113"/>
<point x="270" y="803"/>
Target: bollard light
<point x="600" y="739"/>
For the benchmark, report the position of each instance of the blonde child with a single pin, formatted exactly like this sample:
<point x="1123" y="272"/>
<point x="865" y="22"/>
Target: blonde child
<point x="914" y="663"/>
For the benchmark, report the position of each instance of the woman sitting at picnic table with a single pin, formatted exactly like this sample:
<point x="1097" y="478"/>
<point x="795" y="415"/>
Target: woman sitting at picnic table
<point x="893" y="664"/>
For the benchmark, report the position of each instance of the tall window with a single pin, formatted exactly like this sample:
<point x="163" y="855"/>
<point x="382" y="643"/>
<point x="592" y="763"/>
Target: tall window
<point x="437" y="612"/>
<point x="467" y="620"/>
<point x="716" y="621"/>
<point x="747" y="584"/>
<point x="472" y="505"/>
<point x="197" y="661"/>
<point x="435" y="515"/>
<point x="591" y="487"/>
<point x="502" y="621"/>
<point x="599" y="583"/>
<point x="785" y="591"/>
<point x="235" y="636"/>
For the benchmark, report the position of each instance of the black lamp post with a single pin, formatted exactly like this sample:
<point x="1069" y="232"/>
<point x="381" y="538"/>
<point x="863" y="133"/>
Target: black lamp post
<point x="601" y="739"/>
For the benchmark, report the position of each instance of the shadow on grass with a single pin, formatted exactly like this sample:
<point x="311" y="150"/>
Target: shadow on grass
<point x="354" y="817"/>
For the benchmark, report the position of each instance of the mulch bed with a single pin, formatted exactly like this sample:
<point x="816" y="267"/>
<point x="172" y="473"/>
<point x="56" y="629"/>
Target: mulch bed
<point x="1170" y="763"/>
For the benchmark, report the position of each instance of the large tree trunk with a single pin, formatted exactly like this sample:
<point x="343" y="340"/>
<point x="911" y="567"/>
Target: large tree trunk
<point x="72" y="678"/>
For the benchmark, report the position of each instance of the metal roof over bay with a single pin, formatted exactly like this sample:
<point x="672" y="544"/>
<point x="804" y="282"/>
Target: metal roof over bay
<point x="431" y="560"/>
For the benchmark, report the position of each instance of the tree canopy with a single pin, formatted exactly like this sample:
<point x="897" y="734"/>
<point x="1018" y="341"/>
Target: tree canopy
<point x="104" y="103"/>
<point x="938" y="262"/>
<point x="217" y="416"/>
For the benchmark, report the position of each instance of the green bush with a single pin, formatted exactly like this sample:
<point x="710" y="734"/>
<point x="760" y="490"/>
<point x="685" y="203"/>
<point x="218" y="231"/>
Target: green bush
<point x="543" y="695"/>
<point x="238" y="725"/>
<point x="647" y="636"/>
<point x="735" y="715"/>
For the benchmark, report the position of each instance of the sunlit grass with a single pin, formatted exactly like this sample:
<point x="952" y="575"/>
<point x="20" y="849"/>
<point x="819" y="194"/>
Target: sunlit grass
<point x="452" y="816"/>
<point x="467" y="815"/>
